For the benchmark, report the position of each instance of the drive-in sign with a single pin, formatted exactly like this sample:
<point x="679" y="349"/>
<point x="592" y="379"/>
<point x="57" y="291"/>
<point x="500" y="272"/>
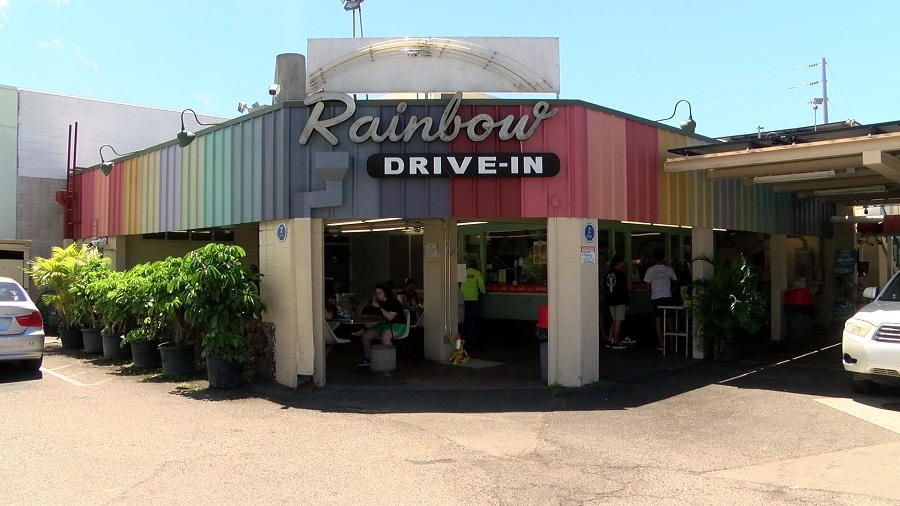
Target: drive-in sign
<point x="463" y="165"/>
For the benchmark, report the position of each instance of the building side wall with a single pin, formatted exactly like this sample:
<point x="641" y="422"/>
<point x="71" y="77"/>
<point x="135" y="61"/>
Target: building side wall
<point x="9" y="108"/>
<point x="44" y="120"/>
<point x="38" y="215"/>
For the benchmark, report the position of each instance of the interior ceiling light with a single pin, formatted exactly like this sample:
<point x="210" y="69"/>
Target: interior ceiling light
<point x="470" y="223"/>
<point x="357" y="222"/>
<point x="799" y="176"/>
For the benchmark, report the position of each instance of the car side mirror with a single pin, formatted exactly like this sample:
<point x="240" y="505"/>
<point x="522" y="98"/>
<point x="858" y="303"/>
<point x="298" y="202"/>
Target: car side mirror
<point x="870" y="292"/>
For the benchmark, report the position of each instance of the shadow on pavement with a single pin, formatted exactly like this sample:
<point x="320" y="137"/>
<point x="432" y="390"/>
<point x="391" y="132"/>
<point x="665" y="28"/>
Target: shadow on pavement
<point x="633" y="378"/>
<point x="12" y="372"/>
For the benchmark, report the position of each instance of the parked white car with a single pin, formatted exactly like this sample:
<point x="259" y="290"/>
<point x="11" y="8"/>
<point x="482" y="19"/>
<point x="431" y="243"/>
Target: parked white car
<point x="871" y="340"/>
<point x="21" y="326"/>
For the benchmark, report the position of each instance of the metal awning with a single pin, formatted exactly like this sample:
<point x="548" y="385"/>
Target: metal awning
<point x="841" y="162"/>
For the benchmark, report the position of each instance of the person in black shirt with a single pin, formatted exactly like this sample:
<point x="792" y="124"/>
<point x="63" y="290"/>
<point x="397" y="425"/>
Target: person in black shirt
<point x="616" y="285"/>
<point x="394" y="322"/>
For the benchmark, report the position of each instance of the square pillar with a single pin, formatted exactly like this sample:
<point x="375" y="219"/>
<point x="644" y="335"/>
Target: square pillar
<point x="702" y="243"/>
<point x="439" y="287"/>
<point x="573" y="348"/>
<point x="292" y="289"/>
<point x="778" y="268"/>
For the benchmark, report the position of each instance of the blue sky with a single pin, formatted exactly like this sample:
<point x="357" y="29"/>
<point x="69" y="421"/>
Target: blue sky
<point x="741" y="65"/>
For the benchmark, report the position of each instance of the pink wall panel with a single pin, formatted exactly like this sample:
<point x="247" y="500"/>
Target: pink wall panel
<point x="566" y="136"/>
<point x="563" y="134"/>
<point x="642" y="162"/>
<point x="485" y="198"/>
<point x="607" y="168"/>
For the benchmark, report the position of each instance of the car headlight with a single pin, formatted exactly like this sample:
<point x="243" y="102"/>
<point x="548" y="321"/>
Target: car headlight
<point x="857" y="327"/>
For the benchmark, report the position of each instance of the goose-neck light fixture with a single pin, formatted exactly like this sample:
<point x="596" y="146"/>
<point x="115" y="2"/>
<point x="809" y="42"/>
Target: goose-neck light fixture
<point x="107" y="167"/>
<point x="184" y="137"/>
<point x="688" y="125"/>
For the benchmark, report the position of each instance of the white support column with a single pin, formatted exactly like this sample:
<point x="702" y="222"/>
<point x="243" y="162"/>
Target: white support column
<point x="779" y="282"/>
<point x="702" y="243"/>
<point x="439" y="288"/>
<point x="574" y="346"/>
<point x="292" y="288"/>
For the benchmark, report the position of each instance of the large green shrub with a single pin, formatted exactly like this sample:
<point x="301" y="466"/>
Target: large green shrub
<point x="219" y="299"/>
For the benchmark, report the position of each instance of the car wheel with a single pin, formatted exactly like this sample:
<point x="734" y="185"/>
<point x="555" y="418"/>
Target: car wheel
<point x="33" y="364"/>
<point x="861" y="386"/>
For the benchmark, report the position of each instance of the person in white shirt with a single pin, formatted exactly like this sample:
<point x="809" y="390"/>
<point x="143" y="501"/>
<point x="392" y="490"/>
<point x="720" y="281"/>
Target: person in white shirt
<point x="660" y="277"/>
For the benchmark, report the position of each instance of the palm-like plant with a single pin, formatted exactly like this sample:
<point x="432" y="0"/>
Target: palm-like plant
<point x="57" y="274"/>
<point x="727" y="301"/>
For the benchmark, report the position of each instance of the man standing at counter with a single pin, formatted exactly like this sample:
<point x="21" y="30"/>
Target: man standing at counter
<point x="660" y="278"/>
<point x="472" y="288"/>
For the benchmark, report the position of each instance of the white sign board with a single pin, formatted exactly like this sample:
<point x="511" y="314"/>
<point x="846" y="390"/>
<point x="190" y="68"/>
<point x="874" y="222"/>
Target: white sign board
<point x="588" y="254"/>
<point x="430" y="249"/>
<point x="434" y="64"/>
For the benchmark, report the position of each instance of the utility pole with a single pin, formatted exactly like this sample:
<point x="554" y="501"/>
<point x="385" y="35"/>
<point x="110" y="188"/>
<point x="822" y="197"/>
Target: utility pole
<point x="824" y="89"/>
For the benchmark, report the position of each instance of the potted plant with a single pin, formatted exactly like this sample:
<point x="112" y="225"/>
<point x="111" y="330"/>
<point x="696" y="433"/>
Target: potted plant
<point x="145" y="284"/>
<point x="726" y="303"/>
<point x="94" y="269"/>
<point x="168" y="290"/>
<point x="219" y="300"/>
<point x="55" y="276"/>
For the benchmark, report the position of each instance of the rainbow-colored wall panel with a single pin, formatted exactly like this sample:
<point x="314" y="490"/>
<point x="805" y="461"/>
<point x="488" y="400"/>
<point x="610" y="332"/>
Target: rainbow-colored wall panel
<point x="253" y="168"/>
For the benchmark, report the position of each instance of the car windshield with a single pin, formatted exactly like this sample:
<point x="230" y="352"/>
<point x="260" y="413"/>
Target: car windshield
<point x="11" y="292"/>
<point x="891" y="291"/>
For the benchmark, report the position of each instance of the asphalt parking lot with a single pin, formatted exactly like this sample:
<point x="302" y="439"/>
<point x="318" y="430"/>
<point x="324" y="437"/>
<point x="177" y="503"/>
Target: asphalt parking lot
<point x="770" y="429"/>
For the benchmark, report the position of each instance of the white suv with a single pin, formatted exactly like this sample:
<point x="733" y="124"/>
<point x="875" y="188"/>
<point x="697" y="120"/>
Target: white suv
<point x="871" y="340"/>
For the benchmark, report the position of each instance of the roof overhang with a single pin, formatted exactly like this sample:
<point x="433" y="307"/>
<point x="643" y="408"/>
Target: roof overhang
<point x="859" y="169"/>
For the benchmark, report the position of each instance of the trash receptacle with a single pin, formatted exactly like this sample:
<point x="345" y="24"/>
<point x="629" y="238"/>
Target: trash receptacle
<point x="540" y="334"/>
<point x="799" y="314"/>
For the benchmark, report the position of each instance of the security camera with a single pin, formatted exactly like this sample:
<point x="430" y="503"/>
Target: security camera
<point x="274" y="89"/>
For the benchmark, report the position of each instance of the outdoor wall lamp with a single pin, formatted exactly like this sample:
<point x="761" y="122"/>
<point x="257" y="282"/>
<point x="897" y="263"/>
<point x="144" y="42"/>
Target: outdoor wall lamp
<point x="184" y="137"/>
<point x="107" y="167"/>
<point x="688" y="125"/>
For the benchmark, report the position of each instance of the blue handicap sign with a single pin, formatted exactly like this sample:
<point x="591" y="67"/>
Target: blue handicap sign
<point x="589" y="232"/>
<point x="281" y="233"/>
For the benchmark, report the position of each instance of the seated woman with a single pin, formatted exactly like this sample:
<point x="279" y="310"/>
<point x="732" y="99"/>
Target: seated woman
<point x="394" y="322"/>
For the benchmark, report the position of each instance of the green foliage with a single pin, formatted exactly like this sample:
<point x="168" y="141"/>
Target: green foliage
<point x="219" y="298"/>
<point x="138" y="334"/>
<point x="57" y="275"/>
<point x="94" y="270"/>
<point x="205" y="296"/>
<point x="727" y="301"/>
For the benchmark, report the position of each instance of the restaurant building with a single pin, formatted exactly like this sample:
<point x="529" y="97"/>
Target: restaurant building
<point x="329" y="184"/>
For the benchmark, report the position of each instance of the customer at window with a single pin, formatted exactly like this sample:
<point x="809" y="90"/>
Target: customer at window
<point x="472" y="288"/>
<point x="394" y="322"/>
<point x="660" y="277"/>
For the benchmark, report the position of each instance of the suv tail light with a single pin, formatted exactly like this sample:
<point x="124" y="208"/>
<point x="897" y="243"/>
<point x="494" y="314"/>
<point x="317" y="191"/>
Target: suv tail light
<point x="31" y="320"/>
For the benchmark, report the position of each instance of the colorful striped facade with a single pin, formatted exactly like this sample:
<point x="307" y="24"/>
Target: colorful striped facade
<point x="253" y="168"/>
